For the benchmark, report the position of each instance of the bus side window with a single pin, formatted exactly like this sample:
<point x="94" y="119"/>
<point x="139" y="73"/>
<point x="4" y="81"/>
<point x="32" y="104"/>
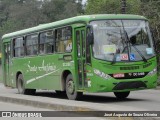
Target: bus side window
<point x="78" y="43"/>
<point x="64" y="39"/>
<point x="46" y="44"/>
<point x="18" y="46"/>
<point x="58" y="39"/>
<point x="49" y="44"/>
<point x="41" y="43"/>
<point x="32" y="44"/>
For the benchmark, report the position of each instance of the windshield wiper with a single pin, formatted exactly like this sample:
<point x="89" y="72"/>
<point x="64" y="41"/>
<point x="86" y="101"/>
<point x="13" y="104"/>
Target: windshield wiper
<point x="144" y="59"/>
<point x="128" y="41"/>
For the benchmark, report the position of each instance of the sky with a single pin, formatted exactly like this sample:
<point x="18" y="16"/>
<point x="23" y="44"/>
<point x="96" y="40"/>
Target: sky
<point x="83" y="1"/>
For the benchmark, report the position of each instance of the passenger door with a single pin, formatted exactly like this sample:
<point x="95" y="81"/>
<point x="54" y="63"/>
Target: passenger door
<point x="81" y="56"/>
<point x="7" y="58"/>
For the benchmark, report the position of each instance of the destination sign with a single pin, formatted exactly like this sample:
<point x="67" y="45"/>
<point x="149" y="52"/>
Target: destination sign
<point x="116" y="23"/>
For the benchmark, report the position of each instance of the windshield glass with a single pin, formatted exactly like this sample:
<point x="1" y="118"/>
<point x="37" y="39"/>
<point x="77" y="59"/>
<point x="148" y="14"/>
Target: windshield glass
<point x="110" y="41"/>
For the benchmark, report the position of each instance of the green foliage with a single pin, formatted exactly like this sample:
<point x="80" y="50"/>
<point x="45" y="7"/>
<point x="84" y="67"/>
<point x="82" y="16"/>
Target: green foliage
<point x="20" y="14"/>
<point x="61" y="9"/>
<point x="111" y="6"/>
<point x="151" y="9"/>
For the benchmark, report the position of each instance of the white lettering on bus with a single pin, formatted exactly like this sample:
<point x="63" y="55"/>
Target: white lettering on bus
<point x="44" y="67"/>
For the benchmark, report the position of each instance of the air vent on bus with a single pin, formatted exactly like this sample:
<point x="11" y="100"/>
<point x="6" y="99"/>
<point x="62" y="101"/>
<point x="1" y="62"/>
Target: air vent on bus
<point x="147" y="65"/>
<point x="129" y="68"/>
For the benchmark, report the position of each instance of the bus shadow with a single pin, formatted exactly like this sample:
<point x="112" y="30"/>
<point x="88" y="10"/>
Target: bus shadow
<point x="106" y="99"/>
<point x="51" y="95"/>
<point x="89" y="98"/>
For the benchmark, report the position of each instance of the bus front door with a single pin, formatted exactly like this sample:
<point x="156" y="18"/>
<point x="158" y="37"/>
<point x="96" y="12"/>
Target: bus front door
<point x="81" y="56"/>
<point x="6" y="74"/>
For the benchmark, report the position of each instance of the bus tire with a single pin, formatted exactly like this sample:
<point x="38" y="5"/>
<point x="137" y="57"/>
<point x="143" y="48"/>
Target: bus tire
<point x="71" y="92"/>
<point x="21" y="87"/>
<point x="121" y="95"/>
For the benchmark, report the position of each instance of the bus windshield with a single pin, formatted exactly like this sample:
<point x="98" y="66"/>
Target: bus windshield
<point x="122" y="40"/>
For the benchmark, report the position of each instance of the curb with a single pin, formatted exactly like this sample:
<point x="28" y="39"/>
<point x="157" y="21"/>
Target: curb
<point x="157" y="88"/>
<point x="38" y="104"/>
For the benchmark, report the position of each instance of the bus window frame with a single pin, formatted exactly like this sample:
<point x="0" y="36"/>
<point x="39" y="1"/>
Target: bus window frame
<point x="31" y="45"/>
<point x="12" y="46"/>
<point x="72" y="38"/>
<point x="41" y="32"/>
<point x="24" y="36"/>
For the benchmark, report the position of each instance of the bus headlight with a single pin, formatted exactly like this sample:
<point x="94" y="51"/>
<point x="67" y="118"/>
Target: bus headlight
<point x="101" y="74"/>
<point x="154" y="71"/>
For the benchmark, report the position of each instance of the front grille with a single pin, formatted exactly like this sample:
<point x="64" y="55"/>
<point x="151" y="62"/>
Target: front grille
<point x="130" y="85"/>
<point x="129" y="68"/>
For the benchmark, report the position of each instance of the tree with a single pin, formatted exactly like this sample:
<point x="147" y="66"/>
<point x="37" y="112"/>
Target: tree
<point x="20" y="14"/>
<point x="151" y="9"/>
<point x="61" y="9"/>
<point x="111" y="6"/>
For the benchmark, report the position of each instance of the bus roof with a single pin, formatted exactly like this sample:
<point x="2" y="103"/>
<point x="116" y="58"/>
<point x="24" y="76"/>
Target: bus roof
<point x="77" y="19"/>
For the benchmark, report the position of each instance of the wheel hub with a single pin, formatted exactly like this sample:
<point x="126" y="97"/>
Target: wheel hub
<point x="70" y="86"/>
<point x="20" y="85"/>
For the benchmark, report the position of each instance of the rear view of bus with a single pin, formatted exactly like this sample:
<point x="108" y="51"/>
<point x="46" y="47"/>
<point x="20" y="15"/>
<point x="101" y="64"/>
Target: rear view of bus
<point x="123" y="57"/>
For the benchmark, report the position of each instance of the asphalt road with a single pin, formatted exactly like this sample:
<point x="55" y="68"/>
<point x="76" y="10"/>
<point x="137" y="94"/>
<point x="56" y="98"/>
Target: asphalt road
<point x="145" y="100"/>
<point x="15" y="107"/>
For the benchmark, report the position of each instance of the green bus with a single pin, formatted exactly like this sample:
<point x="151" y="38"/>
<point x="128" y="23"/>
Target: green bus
<point x="90" y="53"/>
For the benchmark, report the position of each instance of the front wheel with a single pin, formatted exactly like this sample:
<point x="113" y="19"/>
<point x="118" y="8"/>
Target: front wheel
<point x="21" y="87"/>
<point x="121" y="95"/>
<point x="71" y="92"/>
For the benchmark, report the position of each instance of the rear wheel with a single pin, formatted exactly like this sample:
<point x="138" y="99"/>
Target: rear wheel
<point x="21" y="87"/>
<point x="71" y="92"/>
<point x="121" y="95"/>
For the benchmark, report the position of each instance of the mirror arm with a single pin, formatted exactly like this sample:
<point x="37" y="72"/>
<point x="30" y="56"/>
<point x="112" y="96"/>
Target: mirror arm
<point x="90" y="36"/>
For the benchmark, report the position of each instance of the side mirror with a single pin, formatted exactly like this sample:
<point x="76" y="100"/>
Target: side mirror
<point x="90" y="37"/>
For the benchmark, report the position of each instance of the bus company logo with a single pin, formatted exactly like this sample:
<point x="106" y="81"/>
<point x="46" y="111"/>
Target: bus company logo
<point x="6" y="114"/>
<point x="119" y="75"/>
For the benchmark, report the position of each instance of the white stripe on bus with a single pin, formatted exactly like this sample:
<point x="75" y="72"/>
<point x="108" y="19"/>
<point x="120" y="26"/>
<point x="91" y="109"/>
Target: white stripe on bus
<point x="33" y="79"/>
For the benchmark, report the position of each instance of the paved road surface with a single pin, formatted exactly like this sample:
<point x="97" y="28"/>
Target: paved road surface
<point x="15" y="107"/>
<point x="148" y="100"/>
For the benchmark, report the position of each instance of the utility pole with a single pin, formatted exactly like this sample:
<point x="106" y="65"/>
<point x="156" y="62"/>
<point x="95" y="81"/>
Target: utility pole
<point x="123" y="6"/>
